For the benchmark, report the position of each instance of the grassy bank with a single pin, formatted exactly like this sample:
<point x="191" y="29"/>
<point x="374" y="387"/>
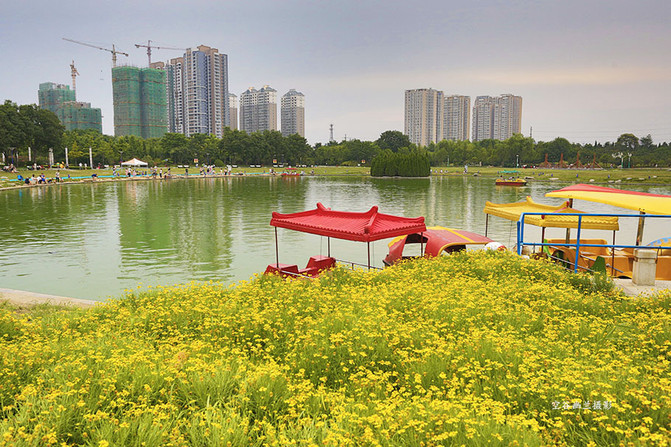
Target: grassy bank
<point x="480" y="348"/>
<point x="612" y="177"/>
<point x="78" y="175"/>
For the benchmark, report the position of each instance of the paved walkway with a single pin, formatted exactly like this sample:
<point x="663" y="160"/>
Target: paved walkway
<point x="631" y="289"/>
<point x="21" y="298"/>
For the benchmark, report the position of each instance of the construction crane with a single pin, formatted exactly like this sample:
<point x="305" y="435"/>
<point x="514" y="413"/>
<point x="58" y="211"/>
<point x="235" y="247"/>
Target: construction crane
<point x="74" y="73"/>
<point x="149" y="46"/>
<point x="113" y="50"/>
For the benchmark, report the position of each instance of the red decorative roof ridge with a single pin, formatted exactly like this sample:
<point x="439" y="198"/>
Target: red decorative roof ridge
<point x="353" y="226"/>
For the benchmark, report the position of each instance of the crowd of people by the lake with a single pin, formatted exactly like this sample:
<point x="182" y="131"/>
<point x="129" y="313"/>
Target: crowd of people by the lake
<point x="133" y="172"/>
<point x="40" y="179"/>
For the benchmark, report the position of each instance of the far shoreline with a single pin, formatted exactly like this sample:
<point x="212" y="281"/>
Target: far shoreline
<point x="607" y="177"/>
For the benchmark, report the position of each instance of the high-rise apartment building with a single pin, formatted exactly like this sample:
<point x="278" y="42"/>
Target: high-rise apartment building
<point x="497" y="118"/>
<point x="139" y="96"/>
<point x="247" y="107"/>
<point x="73" y="114"/>
<point x="483" y="118"/>
<point x="507" y="116"/>
<point x="456" y="118"/>
<point x="258" y="109"/>
<point x="424" y="116"/>
<point x="197" y="91"/>
<point x="293" y="113"/>
<point x="233" y="110"/>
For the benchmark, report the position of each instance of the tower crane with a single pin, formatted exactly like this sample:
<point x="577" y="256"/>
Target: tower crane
<point x="113" y="50"/>
<point x="74" y="73"/>
<point x="149" y="46"/>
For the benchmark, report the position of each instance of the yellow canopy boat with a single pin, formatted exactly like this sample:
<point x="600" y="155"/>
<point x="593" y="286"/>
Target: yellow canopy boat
<point x="513" y="211"/>
<point x="645" y="203"/>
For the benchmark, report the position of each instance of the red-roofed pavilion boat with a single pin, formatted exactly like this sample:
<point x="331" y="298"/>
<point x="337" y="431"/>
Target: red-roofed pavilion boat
<point x="365" y="227"/>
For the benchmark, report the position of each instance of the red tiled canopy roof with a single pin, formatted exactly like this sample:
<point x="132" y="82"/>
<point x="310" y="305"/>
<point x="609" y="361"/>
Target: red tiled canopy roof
<point x="361" y="227"/>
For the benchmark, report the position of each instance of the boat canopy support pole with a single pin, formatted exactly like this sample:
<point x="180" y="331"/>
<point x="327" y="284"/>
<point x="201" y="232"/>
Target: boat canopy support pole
<point x="368" y="243"/>
<point x="328" y="243"/>
<point x="421" y="243"/>
<point x="568" y="230"/>
<point x="277" y="251"/>
<point x="486" y="223"/>
<point x="612" y="257"/>
<point x="639" y="233"/>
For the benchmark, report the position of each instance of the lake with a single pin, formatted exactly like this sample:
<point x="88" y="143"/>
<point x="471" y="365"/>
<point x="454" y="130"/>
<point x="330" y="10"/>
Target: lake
<point x="94" y="241"/>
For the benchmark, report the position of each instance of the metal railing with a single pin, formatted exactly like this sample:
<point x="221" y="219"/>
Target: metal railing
<point x="577" y="245"/>
<point x="352" y="264"/>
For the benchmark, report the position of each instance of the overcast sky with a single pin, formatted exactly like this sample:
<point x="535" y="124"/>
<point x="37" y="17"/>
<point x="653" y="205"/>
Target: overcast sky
<point x="586" y="70"/>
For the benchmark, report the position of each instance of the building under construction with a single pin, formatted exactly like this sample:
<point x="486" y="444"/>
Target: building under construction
<point x="59" y="99"/>
<point x="139" y="96"/>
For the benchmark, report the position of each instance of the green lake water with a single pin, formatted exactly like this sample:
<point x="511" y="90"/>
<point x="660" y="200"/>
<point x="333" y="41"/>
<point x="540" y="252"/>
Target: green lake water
<point x="94" y="241"/>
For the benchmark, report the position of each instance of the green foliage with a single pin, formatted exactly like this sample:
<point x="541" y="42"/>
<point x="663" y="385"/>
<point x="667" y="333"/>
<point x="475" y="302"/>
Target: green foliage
<point x="393" y="140"/>
<point x="390" y="164"/>
<point x="347" y="153"/>
<point x="27" y="125"/>
<point x="467" y="349"/>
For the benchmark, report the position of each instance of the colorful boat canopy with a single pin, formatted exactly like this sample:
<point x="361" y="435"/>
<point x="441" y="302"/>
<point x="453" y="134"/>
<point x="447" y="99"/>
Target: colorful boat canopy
<point x="554" y="219"/>
<point x="362" y="227"/>
<point x="633" y="200"/>
<point x="437" y="240"/>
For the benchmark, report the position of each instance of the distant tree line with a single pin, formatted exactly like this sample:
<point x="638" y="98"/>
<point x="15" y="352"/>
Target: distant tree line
<point x="23" y="126"/>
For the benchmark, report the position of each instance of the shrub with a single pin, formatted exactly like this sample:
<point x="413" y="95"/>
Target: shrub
<point x="398" y="164"/>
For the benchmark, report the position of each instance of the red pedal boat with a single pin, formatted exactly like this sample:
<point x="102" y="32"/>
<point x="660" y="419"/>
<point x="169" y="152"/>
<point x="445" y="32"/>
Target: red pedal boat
<point x="365" y="227"/>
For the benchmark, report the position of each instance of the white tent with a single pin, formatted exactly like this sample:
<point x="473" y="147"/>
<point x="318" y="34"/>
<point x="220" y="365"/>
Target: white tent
<point x="134" y="162"/>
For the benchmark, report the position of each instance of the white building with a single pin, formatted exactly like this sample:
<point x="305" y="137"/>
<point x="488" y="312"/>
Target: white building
<point x="457" y="118"/>
<point x="497" y="118"/>
<point x="258" y="109"/>
<point x="197" y="89"/>
<point x="507" y="116"/>
<point x="424" y="116"/>
<point x="233" y="110"/>
<point x="293" y="113"/>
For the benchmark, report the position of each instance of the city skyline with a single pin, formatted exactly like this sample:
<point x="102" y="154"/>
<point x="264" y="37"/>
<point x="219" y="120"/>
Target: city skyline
<point x="585" y="72"/>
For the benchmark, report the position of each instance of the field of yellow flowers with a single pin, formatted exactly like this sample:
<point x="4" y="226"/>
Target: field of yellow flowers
<point x="472" y="349"/>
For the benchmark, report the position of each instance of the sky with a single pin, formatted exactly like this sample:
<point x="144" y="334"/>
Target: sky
<point x="586" y="70"/>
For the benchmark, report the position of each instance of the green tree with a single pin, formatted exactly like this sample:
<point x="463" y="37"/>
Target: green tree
<point x="646" y="142"/>
<point x="393" y="140"/>
<point x="175" y="146"/>
<point x="14" y="130"/>
<point x="404" y="164"/>
<point x="628" y="141"/>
